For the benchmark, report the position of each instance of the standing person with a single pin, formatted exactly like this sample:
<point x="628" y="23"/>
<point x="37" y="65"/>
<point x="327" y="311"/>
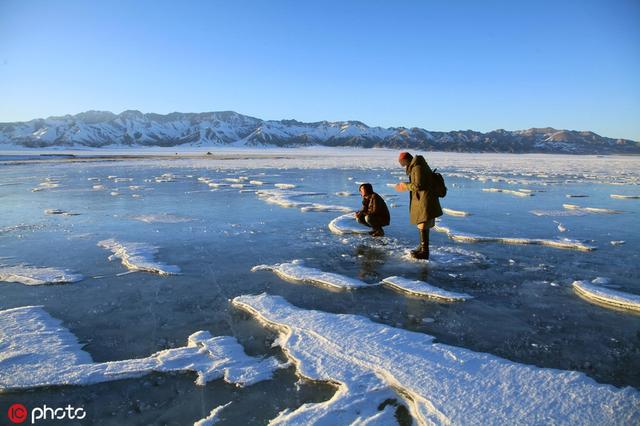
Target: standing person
<point x="424" y="205"/>
<point x="374" y="212"/>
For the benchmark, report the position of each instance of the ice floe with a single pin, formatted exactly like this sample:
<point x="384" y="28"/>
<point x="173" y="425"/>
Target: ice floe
<point x="59" y="212"/>
<point x="591" y="209"/>
<point x="617" y="242"/>
<point x="564" y="243"/>
<point x="557" y="213"/>
<point x="284" y="185"/>
<point x="347" y="224"/>
<point x="452" y="212"/>
<point x="296" y="271"/>
<point x="593" y="292"/>
<point x="33" y="275"/>
<point x="625" y="197"/>
<point x="138" y="256"/>
<point x="421" y="288"/>
<point x="213" y="417"/>
<point x="560" y="226"/>
<point x="48" y="183"/>
<point x="286" y="199"/>
<point x="165" y="177"/>
<point x="509" y="191"/>
<point x="37" y="350"/>
<point x="376" y="368"/>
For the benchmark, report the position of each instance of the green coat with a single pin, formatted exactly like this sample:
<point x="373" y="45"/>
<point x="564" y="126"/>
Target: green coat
<point x="423" y="206"/>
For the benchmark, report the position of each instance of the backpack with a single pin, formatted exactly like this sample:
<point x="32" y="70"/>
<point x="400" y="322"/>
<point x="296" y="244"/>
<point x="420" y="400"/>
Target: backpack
<point x="437" y="184"/>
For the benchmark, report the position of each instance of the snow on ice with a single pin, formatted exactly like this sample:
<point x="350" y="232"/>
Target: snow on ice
<point x="296" y="271"/>
<point x="33" y="275"/>
<point x="377" y="368"/>
<point x="38" y="351"/>
<point x="421" y="288"/>
<point x="347" y="224"/>
<point x="593" y="292"/>
<point x="213" y="417"/>
<point x="471" y="238"/>
<point x="509" y="191"/>
<point x="591" y="209"/>
<point x="138" y="256"/>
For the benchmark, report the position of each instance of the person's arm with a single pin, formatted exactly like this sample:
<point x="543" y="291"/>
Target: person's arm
<point x="418" y="181"/>
<point x="363" y="210"/>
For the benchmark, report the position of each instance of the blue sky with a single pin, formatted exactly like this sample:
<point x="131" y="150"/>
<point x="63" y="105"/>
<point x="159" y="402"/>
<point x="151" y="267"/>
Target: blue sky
<point x="440" y="65"/>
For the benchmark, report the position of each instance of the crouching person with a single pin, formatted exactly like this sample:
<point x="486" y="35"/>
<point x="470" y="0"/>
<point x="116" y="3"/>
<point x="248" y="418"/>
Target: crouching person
<point x="374" y="212"/>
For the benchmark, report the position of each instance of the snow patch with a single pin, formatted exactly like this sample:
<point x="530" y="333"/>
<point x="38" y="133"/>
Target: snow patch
<point x="376" y="366"/>
<point x="591" y="209"/>
<point x="296" y="272"/>
<point x="213" y="417"/>
<point x="38" y="351"/>
<point x="138" y="256"/>
<point x="452" y="212"/>
<point x="592" y="292"/>
<point x="472" y="238"/>
<point x="625" y="197"/>
<point x="33" y="275"/>
<point x="421" y="288"/>
<point x="509" y="191"/>
<point x="347" y="224"/>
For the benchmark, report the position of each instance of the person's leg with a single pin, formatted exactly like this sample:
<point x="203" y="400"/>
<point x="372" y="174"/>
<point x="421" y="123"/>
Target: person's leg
<point x="362" y="220"/>
<point x="375" y="223"/>
<point x="422" y="252"/>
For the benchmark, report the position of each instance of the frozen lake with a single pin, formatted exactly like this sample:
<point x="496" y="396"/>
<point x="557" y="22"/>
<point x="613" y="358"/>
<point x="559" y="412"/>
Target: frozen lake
<point x="201" y="225"/>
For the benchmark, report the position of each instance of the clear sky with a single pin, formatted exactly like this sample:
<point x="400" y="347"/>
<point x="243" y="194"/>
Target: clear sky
<point x="440" y="65"/>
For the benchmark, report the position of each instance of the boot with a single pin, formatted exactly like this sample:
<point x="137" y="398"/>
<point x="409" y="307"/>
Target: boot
<point x="378" y="232"/>
<point x="422" y="252"/>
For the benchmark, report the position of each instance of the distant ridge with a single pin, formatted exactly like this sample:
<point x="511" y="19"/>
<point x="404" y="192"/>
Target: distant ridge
<point x="227" y="128"/>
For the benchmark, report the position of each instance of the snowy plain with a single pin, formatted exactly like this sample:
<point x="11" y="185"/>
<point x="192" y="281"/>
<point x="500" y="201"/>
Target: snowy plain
<point x="208" y="220"/>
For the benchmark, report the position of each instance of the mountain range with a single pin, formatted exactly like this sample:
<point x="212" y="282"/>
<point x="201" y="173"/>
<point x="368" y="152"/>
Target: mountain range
<point x="226" y="128"/>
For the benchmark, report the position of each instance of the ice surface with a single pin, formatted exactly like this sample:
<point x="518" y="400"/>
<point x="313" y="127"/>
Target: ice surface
<point x="161" y="218"/>
<point x="375" y="365"/>
<point x="213" y="416"/>
<point x="138" y="256"/>
<point x="509" y="191"/>
<point x="472" y="238"/>
<point x="591" y="209"/>
<point x="452" y="212"/>
<point x="347" y="224"/>
<point x="606" y="296"/>
<point x="38" y="351"/>
<point x="32" y="275"/>
<point x="421" y="288"/>
<point x="297" y="272"/>
<point x="285" y="198"/>
<point x="625" y="197"/>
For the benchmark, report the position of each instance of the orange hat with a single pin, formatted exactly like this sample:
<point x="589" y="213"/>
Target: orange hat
<point x="404" y="156"/>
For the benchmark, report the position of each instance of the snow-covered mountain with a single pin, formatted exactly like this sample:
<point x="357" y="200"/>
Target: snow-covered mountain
<point x="227" y="128"/>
